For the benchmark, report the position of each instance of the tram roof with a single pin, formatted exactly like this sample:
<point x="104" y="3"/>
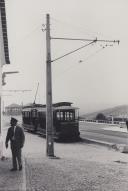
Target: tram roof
<point x="54" y="108"/>
<point x="62" y="104"/>
<point x="65" y="108"/>
<point x="58" y="104"/>
<point x="31" y="105"/>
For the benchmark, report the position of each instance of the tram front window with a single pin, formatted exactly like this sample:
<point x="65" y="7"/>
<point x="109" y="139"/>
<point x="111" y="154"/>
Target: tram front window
<point x="65" y="115"/>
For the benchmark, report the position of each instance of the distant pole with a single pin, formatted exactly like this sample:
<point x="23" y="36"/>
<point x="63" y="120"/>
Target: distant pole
<point x="112" y="119"/>
<point x="49" y="112"/>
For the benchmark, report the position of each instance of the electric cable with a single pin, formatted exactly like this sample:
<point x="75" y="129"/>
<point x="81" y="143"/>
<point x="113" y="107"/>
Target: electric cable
<point x="81" y="61"/>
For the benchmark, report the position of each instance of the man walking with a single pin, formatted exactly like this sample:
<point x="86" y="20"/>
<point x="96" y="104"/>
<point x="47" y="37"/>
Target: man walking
<point x="16" y="137"/>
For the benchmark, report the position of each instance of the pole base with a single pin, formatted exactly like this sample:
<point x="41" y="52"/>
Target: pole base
<point x="125" y="149"/>
<point x="53" y="157"/>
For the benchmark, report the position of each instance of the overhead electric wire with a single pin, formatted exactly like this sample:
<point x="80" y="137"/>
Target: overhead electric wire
<point x="81" y="39"/>
<point x="83" y="29"/>
<point x="87" y="58"/>
<point x="21" y="40"/>
<point x="74" y="51"/>
<point x="73" y="26"/>
<point x="31" y="32"/>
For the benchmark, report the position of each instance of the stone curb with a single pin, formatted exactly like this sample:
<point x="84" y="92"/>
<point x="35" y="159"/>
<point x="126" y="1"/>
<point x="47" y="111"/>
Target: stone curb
<point x="123" y="148"/>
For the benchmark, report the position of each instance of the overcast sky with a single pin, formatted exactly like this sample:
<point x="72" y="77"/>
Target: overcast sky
<point x="93" y="78"/>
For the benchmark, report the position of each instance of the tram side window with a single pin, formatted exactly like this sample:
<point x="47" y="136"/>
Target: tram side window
<point x="26" y="114"/>
<point x="58" y="115"/>
<point x="71" y="116"/>
<point x="34" y="113"/>
<point x="67" y="116"/>
<point x="61" y="115"/>
<point x="26" y="117"/>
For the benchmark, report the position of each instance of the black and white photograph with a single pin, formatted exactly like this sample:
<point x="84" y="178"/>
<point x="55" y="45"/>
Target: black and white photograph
<point x="63" y="95"/>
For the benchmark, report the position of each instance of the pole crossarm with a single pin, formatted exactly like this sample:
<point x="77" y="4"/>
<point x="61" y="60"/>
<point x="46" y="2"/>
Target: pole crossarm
<point x="82" y="39"/>
<point x="74" y="50"/>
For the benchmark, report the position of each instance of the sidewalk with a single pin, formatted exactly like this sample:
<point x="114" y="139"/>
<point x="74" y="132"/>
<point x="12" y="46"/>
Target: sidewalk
<point x="10" y="181"/>
<point x="96" y="170"/>
<point x="80" y="167"/>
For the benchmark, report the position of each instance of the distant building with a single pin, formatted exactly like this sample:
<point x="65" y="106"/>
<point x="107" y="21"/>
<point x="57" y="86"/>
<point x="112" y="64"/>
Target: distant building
<point x="13" y="109"/>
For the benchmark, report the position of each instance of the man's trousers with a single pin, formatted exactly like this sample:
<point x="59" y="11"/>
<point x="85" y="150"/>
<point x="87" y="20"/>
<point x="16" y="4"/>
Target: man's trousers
<point x="16" y="157"/>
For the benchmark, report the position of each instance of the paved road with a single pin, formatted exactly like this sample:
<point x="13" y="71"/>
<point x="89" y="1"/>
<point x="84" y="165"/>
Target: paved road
<point x="96" y="132"/>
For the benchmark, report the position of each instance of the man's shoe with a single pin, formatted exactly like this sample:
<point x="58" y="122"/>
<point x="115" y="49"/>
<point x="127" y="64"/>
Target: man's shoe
<point x="20" y="168"/>
<point x="13" y="169"/>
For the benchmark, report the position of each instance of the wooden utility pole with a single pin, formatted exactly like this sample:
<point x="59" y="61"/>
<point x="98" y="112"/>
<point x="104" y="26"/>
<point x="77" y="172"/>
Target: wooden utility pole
<point x="49" y="111"/>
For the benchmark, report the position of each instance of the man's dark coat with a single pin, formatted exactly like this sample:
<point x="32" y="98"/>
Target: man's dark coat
<point x="19" y="139"/>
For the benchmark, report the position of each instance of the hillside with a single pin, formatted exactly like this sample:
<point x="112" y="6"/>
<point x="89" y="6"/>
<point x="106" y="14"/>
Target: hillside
<point x="118" y="111"/>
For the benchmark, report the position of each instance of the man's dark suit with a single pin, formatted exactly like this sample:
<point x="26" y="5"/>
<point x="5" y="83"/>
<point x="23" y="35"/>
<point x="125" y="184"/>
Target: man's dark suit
<point x="17" y="141"/>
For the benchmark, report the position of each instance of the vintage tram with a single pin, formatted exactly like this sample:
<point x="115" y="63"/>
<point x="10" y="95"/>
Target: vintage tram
<point x="65" y="120"/>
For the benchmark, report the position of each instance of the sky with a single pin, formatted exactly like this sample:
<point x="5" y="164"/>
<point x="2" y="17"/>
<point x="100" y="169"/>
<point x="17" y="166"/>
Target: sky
<point x="93" y="78"/>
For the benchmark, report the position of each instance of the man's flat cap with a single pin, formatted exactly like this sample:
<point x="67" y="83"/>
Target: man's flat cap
<point x="13" y="120"/>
